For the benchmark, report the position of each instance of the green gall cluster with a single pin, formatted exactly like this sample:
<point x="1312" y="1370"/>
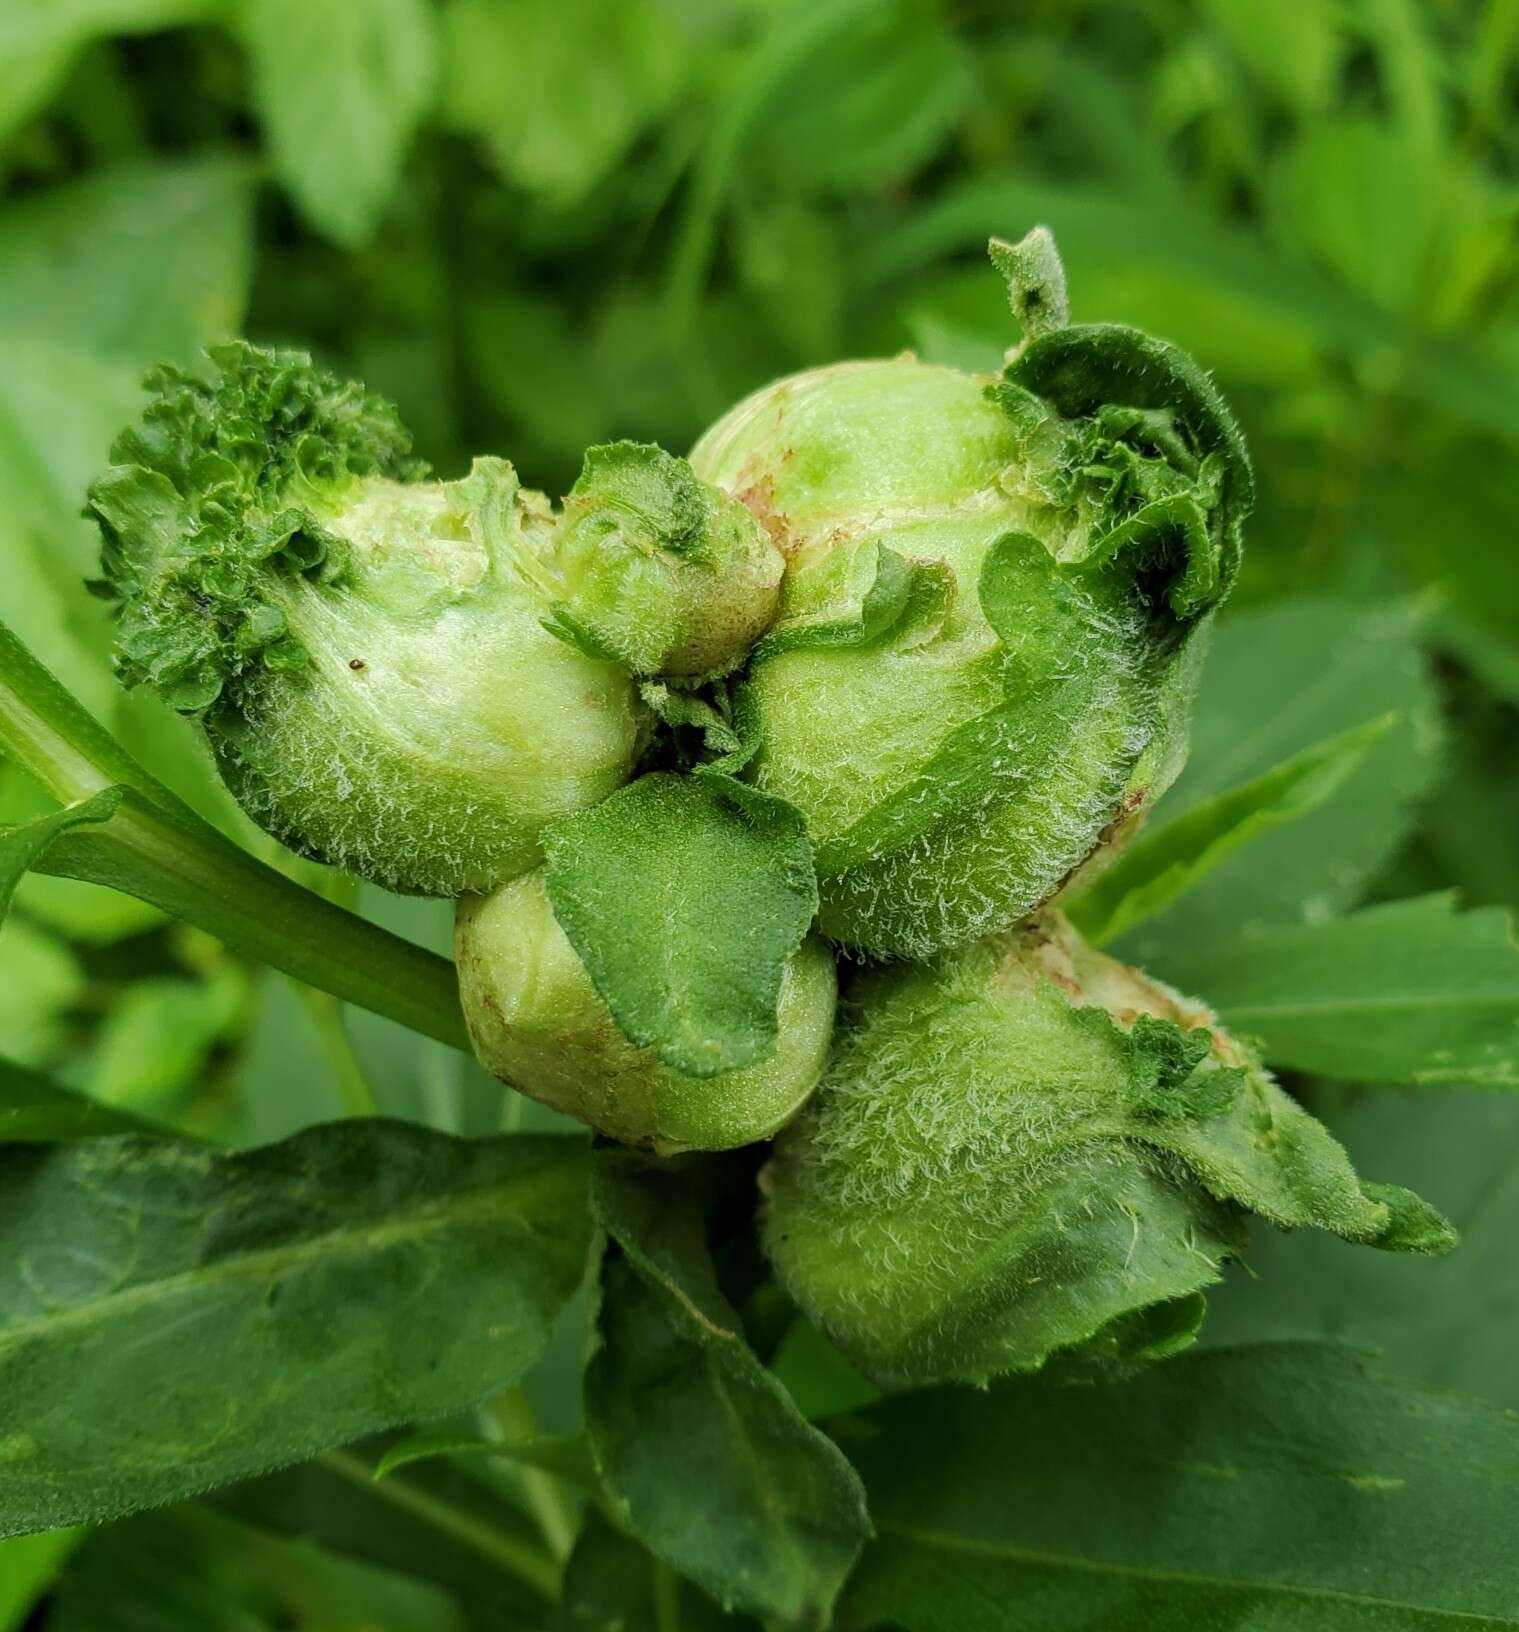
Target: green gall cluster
<point x="394" y="673"/>
<point x="996" y="602"/>
<point x="538" y="1022"/>
<point x="1023" y="1151"/>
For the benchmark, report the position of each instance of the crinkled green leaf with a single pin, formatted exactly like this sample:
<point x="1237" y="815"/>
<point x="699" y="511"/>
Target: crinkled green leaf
<point x="684" y="898"/>
<point x="677" y="1402"/>
<point x="1408" y="991"/>
<point x="1287" y="1486"/>
<point x="268" y="1304"/>
<point x="1169" y="860"/>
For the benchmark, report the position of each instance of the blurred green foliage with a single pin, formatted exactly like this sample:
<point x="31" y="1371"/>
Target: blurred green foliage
<point x="538" y="224"/>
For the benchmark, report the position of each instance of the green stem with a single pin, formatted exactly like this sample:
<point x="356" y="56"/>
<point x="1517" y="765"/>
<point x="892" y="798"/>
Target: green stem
<point x="156" y="848"/>
<point x="354" y="1092"/>
<point x="512" y="1413"/>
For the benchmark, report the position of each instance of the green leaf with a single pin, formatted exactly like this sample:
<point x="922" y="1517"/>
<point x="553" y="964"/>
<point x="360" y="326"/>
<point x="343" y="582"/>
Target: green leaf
<point x="142" y="262"/>
<point x="1278" y="681"/>
<point x="1451" y="1322"/>
<point x="702" y="1453"/>
<point x="269" y="1304"/>
<point x="566" y="1455"/>
<point x="34" y="1110"/>
<point x="1165" y="864"/>
<point x="21" y="848"/>
<point x="611" y="1583"/>
<point x="28" y="1565"/>
<point x="1286" y="1486"/>
<point x="1408" y="992"/>
<point x="684" y="898"/>
<point x="192" y="1570"/>
<point x="40" y="38"/>
<point x="585" y="83"/>
<point x="340" y="88"/>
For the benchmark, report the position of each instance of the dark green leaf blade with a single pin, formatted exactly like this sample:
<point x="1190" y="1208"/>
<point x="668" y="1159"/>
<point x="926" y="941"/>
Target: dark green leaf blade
<point x="685" y="897"/>
<point x="1165" y="864"/>
<point x="702" y="1452"/>
<point x="1405" y="992"/>
<point x="268" y="1304"/>
<point x="1286" y="1486"/>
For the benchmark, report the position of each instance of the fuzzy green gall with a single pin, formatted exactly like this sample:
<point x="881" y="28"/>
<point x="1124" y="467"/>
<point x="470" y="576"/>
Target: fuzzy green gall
<point x="1024" y="1151"/>
<point x="405" y="677"/>
<point x="538" y="1022"/>
<point x="996" y="602"/>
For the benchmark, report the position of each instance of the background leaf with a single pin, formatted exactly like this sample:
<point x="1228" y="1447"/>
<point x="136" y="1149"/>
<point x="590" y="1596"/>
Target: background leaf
<point x="341" y="88"/>
<point x="268" y="1304"/>
<point x="1284" y="1485"/>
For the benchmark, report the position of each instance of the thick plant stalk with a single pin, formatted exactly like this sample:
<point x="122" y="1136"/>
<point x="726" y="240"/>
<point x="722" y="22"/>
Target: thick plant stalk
<point x="156" y="848"/>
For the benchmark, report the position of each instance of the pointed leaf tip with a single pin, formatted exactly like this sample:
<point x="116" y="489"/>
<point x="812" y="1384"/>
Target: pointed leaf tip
<point x="1035" y="279"/>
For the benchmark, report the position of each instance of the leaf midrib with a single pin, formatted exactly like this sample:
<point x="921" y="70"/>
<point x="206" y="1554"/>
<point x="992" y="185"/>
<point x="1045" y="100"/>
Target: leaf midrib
<point x="277" y="1261"/>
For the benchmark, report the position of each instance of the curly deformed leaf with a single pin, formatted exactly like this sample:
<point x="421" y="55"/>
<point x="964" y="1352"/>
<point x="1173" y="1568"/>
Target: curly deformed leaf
<point x="685" y="898"/>
<point x="268" y="1304"/>
<point x="1218" y="1490"/>
<point x="1165" y="864"/>
<point x="1162" y="424"/>
<point x="222" y="484"/>
<point x="676" y="1402"/>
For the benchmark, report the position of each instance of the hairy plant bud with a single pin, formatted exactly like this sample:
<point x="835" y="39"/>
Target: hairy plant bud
<point x="657" y="569"/>
<point x="538" y="1023"/>
<point x="994" y="610"/>
<point x="1025" y="1150"/>
<point x="370" y="665"/>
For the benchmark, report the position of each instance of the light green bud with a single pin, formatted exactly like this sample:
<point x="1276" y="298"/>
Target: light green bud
<point x="650" y="566"/>
<point x="370" y="669"/>
<point x="994" y="612"/>
<point x="1024" y="1150"/>
<point x="538" y="1023"/>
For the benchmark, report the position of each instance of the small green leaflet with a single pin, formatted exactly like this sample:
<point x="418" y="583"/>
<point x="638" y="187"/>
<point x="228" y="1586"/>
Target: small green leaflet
<point x="563" y="1454"/>
<point x="685" y="897"/>
<point x="1285" y="1486"/>
<point x="21" y="848"/>
<point x="676" y="1402"/>
<point x="1410" y="991"/>
<point x="36" y="1111"/>
<point x="1160" y="867"/>
<point x="268" y="1304"/>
